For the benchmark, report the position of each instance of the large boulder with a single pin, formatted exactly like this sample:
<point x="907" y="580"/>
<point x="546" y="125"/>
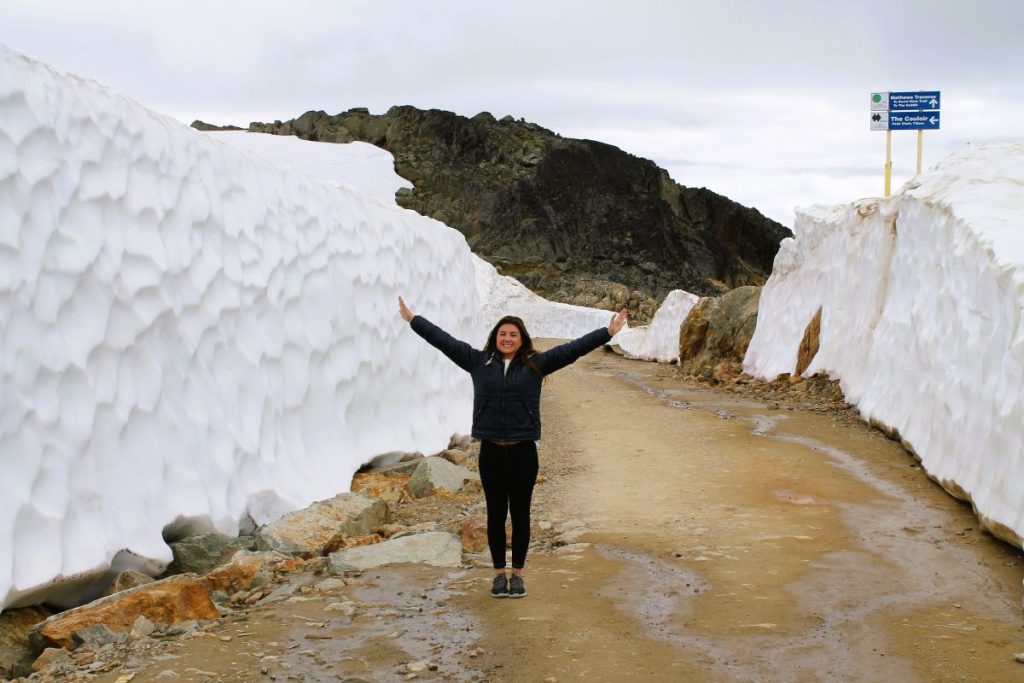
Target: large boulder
<point x="173" y="600"/>
<point x="199" y="553"/>
<point x="717" y="332"/>
<point x="307" y="532"/>
<point x="436" y="548"/>
<point x="437" y="473"/>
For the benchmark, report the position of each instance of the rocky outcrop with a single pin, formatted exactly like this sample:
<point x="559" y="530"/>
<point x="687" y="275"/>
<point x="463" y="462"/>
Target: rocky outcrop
<point x="577" y="221"/>
<point x="715" y="335"/>
<point x="202" y="125"/>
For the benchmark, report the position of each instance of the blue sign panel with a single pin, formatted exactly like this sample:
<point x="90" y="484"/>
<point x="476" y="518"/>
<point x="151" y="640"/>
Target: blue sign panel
<point x="914" y="101"/>
<point x="913" y="120"/>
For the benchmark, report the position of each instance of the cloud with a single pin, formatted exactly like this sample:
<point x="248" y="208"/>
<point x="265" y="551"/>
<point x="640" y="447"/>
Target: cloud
<point x="736" y="95"/>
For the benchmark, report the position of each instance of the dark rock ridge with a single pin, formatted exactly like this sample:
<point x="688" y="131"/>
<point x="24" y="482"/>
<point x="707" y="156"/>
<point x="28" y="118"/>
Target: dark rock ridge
<point x="575" y="220"/>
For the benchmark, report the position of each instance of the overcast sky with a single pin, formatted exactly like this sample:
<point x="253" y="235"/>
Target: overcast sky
<point x="765" y="102"/>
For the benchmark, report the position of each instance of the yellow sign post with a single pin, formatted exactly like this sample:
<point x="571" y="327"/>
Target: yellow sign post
<point x="904" y="111"/>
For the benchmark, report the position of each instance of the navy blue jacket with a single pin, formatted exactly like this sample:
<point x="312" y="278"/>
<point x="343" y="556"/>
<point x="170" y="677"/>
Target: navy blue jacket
<point x="506" y="406"/>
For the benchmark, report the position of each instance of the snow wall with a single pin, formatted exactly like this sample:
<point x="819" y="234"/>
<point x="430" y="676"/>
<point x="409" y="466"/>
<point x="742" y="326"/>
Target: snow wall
<point x="658" y="341"/>
<point x="922" y="300"/>
<point x="192" y="338"/>
<point x="370" y="170"/>
<point x="196" y="338"/>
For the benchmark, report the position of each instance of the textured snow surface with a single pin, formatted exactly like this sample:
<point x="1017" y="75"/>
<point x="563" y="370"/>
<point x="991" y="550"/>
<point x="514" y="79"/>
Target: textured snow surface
<point x="501" y="295"/>
<point x="370" y="169"/>
<point x="192" y="337"/>
<point x="658" y="341"/>
<point x="922" y="299"/>
<point x="366" y="168"/>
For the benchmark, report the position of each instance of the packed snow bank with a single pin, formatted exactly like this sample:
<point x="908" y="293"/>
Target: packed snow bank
<point x="363" y="167"/>
<point x="193" y="338"/>
<point x="370" y="170"/>
<point x="922" y="297"/>
<point x="658" y="341"/>
<point x="501" y="295"/>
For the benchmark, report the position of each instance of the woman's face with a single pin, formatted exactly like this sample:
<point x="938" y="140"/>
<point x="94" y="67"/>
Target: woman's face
<point x="509" y="340"/>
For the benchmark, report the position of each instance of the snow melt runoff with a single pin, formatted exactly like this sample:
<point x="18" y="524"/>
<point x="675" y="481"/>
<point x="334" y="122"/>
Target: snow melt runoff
<point x="922" y="300"/>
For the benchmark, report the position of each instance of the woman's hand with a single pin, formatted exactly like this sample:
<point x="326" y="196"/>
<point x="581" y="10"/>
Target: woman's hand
<point x="618" y="320"/>
<point x="404" y="311"/>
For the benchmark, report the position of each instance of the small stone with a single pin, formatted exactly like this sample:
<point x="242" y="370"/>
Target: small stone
<point x="142" y="627"/>
<point x="226" y="639"/>
<point x="418" y="666"/>
<point x="1019" y="657"/>
<point x="347" y="608"/>
<point x="330" y="585"/>
<point x="168" y="673"/>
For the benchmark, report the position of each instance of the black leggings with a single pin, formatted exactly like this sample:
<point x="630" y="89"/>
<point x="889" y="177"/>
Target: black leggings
<point x="508" y="474"/>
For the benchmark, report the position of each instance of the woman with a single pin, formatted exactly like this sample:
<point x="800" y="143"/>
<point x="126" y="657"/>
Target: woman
<point x="507" y="378"/>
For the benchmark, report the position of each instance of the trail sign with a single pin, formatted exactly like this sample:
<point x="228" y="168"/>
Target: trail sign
<point x="914" y="101"/>
<point x="920" y="100"/>
<point x="905" y="120"/>
<point x="914" y="120"/>
<point x="913" y="110"/>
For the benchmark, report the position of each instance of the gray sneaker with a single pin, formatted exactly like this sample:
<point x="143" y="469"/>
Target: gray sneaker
<point x="516" y="587"/>
<point x="499" y="589"/>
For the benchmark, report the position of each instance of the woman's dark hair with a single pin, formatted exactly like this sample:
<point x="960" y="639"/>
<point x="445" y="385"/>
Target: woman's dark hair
<point x="523" y="355"/>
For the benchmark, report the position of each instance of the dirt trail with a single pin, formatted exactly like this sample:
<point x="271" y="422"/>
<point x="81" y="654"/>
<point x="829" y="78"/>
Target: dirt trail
<point x="736" y="543"/>
<point x="725" y="541"/>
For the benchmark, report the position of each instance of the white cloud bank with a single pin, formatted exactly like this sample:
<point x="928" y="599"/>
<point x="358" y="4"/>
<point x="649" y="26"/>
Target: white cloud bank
<point x="922" y="299"/>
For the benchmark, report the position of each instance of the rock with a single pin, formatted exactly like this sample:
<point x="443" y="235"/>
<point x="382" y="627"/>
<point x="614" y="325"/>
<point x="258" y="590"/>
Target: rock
<point x="199" y="553"/>
<point x="53" y="660"/>
<point x="16" y="653"/>
<point x="249" y="570"/>
<point x="1019" y="657"/>
<point x="436" y="548"/>
<point x="391" y="487"/>
<point x="96" y="636"/>
<point x="347" y="608"/>
<point x="718" y="329"/>
<point x="169" y="601"/>
<point x="142" y="628"/>
<point x="809" y="344"/>
<point x="455" y="456"/>
<point x="473" y="534"/>
<point x="125" y="580"/>
<point x="434" y="473"/>
<point x="418" y="667"/>
<point x="328" y="585"/>
<point x="392" y="461"/>
<point x="202" y="125"/>
<point x="305" y="533"/>
<point x="460" y="441"/>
